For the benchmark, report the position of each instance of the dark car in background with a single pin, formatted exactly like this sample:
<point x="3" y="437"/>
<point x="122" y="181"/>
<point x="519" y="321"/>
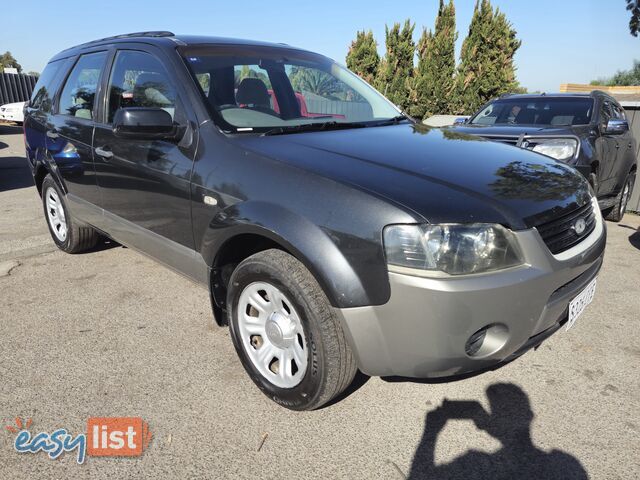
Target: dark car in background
<point x="587" y="131"/>
<point x="331" y="236"/>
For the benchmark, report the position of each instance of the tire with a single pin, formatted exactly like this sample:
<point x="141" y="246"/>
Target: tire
<point x="68" y="234"/>
<point x="616" y="213"/>
<point x="292" y="300"/>
<point x="593" y="181"/>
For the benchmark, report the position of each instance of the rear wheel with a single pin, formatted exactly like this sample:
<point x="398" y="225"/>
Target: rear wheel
<point x="68" y="234"/>
<point x="286" y="333"/>
<point x="616" y="213"/>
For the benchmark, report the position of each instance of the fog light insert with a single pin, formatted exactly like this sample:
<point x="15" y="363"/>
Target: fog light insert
<point x="487" y="341"/>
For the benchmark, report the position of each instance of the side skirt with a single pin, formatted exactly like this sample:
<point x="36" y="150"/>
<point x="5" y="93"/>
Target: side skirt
<point x="177" y="257"/>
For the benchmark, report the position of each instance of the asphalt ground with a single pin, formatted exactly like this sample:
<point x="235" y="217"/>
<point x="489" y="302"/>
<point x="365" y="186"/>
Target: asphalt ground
<point x="112" y="334"/>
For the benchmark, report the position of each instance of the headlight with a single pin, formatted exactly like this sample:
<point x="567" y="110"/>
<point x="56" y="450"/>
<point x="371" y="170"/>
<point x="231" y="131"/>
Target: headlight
<point x="558" y="148"/>
<point x="453" y="249"/>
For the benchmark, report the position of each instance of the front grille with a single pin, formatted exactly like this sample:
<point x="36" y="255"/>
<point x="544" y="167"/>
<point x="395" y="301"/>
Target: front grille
<point x="509" y="140"/>
<point x="559" y="234"/>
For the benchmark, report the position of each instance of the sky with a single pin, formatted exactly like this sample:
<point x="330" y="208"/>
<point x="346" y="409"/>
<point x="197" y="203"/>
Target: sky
<point x="563" y="41"/>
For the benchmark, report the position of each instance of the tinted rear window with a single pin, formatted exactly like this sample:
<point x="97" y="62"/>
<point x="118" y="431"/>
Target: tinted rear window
<point x="536" y="111"/>
<point x="45" y="88"/>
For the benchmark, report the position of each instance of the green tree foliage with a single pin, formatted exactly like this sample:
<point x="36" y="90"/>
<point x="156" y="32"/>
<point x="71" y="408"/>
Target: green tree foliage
<point x="622" y="77"/>
<point x="396" y="69"/>
<point x="7" y="61"/>
<point x="486" y="67"/>
<point x="251" y="71"/>
<point x="313" y="81"/>
<point x="363" y="58"/>
<point x="634" y="23"/>
<point x="434" y="76"/>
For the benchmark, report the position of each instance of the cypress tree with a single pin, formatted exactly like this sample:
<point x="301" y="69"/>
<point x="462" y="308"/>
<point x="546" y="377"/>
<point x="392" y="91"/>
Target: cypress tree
<point x="486" y="67"/>
<point x="420" y="88"/>
<point x="434" y="78"/>
<point x="396" y="69"/>
<point x="363" y="58"/>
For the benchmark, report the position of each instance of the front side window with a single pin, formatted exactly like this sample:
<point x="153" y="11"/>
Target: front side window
<point x="618" y="112"/>
<point x="78" y="95"/>
<point x="536" y="111"/>
<point x="138" y="79"/>
<point x="256" y="89"/>
<point x="605" y="113"/>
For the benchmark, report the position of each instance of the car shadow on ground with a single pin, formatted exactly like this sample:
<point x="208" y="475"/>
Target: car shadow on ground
<point x="634" y="238"/>
<point x="14" y="173"/>
<point x="508" y="421"/>
<point x="10" y="129"/>
<point x="103" y="243"/>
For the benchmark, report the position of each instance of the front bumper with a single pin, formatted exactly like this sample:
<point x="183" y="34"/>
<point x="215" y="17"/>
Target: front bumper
<point x="423" y="329"/>
<point x="11" y="116"/>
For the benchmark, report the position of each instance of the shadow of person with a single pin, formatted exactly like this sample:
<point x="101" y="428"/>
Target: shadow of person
<point x="510" y="423"/>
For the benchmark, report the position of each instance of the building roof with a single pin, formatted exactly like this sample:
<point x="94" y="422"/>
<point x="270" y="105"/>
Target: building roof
<point x="628" y="96"/>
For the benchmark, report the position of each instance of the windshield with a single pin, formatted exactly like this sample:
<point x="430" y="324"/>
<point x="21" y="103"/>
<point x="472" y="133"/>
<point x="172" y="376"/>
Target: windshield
<point x="536" y="111"/>
<point x="258" y="89"/>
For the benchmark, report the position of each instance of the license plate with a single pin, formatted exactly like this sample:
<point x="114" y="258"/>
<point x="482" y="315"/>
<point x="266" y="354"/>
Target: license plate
<point x="580" y="302"/>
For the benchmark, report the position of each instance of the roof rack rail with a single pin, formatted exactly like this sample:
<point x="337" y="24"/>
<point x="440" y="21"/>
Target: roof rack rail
<point x="158" y="33"/>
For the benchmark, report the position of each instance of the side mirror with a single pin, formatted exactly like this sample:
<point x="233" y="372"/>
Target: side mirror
<point x="616" y="126"/>
<point x="460" y="121"/>
<point x="144" y="124"/>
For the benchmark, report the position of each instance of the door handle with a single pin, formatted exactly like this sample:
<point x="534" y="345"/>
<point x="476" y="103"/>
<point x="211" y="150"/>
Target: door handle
<point x="104" y="153"/>
<point x="52" y="134"/>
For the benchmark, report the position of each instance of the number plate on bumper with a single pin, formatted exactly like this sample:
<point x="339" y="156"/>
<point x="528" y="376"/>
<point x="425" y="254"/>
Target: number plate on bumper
<point x="580" y="302"/>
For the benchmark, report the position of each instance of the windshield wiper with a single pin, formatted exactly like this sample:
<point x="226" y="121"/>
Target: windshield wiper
<point x="394" y="120"/>
<point x="313" y="127"/>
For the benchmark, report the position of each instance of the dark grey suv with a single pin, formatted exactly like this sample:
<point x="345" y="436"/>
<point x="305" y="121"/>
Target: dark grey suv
<point x="587" y="131"/>
<point x="331" y="232"/>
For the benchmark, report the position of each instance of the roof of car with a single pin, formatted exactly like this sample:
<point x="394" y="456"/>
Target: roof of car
<point x="539" y="95"/>
<point x="593" y="93"/>
<point x="165" y="38"/>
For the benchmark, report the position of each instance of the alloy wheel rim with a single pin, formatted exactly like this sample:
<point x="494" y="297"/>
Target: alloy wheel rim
<point x="272" y="335"/>
<point x="55" y="214"/>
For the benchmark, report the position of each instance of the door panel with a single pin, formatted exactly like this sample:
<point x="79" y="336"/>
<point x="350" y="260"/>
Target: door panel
<point x="608" y="152"/>
<point x="624" y="158"/>
<point x="69" y="133"/>
<point x="145" y="182"/>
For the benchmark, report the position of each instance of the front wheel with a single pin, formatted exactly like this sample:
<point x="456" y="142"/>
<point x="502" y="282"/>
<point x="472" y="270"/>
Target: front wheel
<point x="616" y="213"/>
<point x="286" y="333"/>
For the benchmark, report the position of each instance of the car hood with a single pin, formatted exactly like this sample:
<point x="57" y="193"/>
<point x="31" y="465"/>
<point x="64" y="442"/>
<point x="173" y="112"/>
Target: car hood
<point x="12" y="106"/>
<point x="515" y="130"/>
<point x="439" y="174"/>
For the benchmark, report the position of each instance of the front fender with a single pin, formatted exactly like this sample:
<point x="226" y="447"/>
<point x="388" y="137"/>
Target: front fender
<point x="317" y="248"/>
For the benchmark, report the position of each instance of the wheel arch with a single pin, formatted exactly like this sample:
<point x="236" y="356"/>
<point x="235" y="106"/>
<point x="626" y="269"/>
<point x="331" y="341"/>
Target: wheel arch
<point x="243" y="230"/>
